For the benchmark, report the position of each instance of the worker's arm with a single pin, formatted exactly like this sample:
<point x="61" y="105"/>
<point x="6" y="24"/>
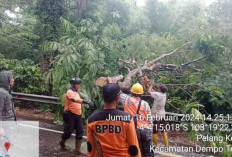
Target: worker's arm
<point x="132" y="140"/>
<point x="72" y="97"/>
<point x="91" y="142"/>
<point x="122" y="100"/>
<point x="150" y="89"/>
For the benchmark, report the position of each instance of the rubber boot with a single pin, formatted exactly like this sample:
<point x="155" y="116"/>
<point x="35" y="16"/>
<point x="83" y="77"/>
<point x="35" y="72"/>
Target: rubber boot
<point x="78" y="147"/>
<point x="155" y="140"/>
<point x="165" y="136"/>
<point x="62" y="144"/>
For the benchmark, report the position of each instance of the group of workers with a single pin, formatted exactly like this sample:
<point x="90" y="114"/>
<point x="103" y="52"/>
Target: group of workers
<point x="112" y="132"/>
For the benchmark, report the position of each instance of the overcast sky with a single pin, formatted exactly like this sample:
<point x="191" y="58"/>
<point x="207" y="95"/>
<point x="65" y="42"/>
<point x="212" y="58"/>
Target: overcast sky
<point x="139" y="3"/>
<point x="142" y="2"/>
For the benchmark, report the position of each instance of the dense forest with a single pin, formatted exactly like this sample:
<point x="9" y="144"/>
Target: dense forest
<point x="185" y="44"/>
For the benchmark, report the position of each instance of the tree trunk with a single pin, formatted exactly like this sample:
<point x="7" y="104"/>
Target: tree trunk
<point x="81" y="5"/>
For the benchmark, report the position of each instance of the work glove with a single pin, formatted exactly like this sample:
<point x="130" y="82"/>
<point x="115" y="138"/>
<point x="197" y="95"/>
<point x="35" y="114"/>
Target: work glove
<point x="90" y="103"/>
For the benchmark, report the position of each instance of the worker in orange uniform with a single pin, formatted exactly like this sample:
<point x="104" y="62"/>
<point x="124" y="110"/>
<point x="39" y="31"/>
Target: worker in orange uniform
<point x="112" y="130"/>
<point x="72" y="115"/>
<point x="141" y="110"/>
<point x="158" y="110"/>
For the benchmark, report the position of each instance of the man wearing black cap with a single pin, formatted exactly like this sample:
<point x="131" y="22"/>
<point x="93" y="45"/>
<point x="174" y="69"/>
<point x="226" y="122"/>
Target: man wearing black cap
<point x="110" y="130"/>
<point x="72" y="115"/>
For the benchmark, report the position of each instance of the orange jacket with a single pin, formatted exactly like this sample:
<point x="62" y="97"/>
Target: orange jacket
<point x="117" y="136"/>
<point x="74" y="107"/>
<point x="131" y="106"/>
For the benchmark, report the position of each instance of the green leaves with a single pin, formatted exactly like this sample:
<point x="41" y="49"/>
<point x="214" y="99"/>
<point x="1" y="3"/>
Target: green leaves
<point x="68" y="27"/>
<point x="198" y="116"/>
<point x="191" y="108"/>
<point x="79" y="56"/>
<point x="28" y="78"/>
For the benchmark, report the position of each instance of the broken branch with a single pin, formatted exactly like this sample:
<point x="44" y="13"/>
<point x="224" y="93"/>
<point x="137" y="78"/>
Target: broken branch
<point x="183" y="66"/>
<point x="166" y="55"/>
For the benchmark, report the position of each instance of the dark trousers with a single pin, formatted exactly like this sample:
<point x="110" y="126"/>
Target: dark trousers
<point x="145" y="142"/>
<point x="72" y="122"/>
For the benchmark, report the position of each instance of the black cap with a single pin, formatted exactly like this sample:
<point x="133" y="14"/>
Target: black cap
<point x="75" y="80"/>
<point x="110" y="92"/>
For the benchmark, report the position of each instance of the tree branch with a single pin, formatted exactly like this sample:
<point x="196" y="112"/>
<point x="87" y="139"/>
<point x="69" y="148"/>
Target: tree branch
<point x="188" y="84"/>
<point x="163" y="67"/>
<point x="150" y="67"/>
<point x="184" y="65"/>
<point x="126" y="62"/>
<point x="166" y="55"/>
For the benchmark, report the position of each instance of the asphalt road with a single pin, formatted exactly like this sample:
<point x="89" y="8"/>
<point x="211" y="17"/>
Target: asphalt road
<point x="50" y="135"/>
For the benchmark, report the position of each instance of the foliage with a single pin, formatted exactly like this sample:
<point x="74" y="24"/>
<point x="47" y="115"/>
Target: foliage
<point x="221" y="18"/>
<point x="28" y="78"/>
<point x="117" y="13"/>
<point x="48" y="28"/>
<point x="17" y="39"/>
<point x="49" y="13"/>
<point x="159" y="16"/>
<point x="79" y="56"/>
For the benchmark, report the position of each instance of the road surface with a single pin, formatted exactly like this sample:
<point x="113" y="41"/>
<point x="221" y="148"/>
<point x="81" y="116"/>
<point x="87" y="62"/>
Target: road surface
<point x="50" y="135"/>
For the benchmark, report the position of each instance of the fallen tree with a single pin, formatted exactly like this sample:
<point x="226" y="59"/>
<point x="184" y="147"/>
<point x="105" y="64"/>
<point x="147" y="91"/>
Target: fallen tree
<point x="153" y="66"/>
